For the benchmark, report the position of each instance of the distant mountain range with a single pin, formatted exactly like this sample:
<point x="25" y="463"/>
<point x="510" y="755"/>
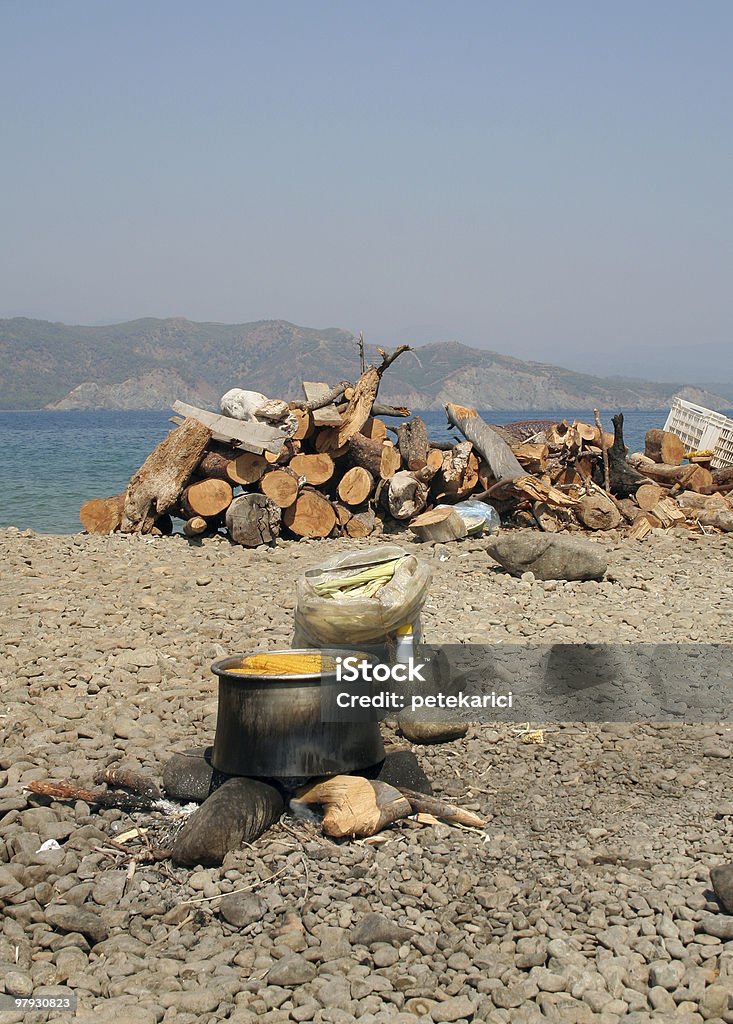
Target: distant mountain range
<point x="147" y="364"/>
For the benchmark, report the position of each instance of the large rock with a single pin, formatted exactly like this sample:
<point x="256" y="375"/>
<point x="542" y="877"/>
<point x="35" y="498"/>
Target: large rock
<point x="555" y="557"/>
<point x="374" y="928"/>
<point x="242" y="908"/>
<point x="238" y="812"/>
<point x="291" y="970"/>
<point x="424" y="731"/>
<point x="722" y="878"/>
<point x="189" y="776"/>
<point x="74" y="919"/>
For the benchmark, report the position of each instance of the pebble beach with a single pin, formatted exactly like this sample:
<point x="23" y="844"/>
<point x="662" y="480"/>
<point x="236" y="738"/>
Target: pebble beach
<point x="586" y="899"/>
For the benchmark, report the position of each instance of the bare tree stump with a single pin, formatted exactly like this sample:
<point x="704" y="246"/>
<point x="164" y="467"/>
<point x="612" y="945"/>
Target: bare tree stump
<point x="404" y="495"/>
<point x="439" y="525"/>
<point x="253" y="519"/>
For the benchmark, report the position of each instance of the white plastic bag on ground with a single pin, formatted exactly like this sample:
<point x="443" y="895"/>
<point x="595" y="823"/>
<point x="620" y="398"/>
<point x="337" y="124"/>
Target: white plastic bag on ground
<point x="328" y="621"/>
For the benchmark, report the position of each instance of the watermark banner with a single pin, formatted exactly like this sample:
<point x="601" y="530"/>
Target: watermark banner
<point x="533" y="683"/>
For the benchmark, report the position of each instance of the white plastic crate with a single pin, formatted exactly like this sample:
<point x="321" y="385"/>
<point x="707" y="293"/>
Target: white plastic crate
<point x="702" y="429"/>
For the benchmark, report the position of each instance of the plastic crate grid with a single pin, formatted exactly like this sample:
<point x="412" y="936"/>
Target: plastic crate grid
<point x="702" y="429"/>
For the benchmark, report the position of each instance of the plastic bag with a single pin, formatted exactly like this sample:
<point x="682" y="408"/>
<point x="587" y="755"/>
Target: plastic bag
<point x="477" y="515"/>
<point x="328" y="621"/>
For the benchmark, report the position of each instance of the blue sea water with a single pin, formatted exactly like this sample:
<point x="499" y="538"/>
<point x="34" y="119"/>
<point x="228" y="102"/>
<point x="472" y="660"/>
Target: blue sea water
<point x="54" y="461"/>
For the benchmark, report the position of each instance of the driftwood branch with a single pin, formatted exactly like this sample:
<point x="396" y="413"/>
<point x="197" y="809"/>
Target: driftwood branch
<point x="389" y="357"/>
<point x="328" y="399"/>
<point x="422" y="804"/>
<point x="133" y="782"/>
<point x="95" y="797"/>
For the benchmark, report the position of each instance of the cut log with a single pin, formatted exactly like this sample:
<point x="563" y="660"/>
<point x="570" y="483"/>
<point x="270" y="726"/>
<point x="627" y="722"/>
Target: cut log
<point x="249" y="436"/>
<point x="665" y="447"/>
<point x="374" y="429"/>
<point x="195" y="526"/>
<point x="405" y="496"/>
<point x="103" y="515"/>
<point x="306" y="426"/>
<point x="668" y="513"/>
<point x="717" y="518"/>
<point x="323" y="442"/>
<point x="389" y="460"/>
<point x="354" y="806"/>
<point x="532" y="456"/>
<point x="207" y="498"/>
<point x="359" y="408"/>
<point x="642" y="526"/>
<point x="434" y="464"/>
<point x="412" y="440"/>
<point x="693" y="500"/>
<point x="439" y="525"/>
<point x="343" y="514"/>
<point x="596" y="511"/>
<point x="492" y="448"/>
<point x="689" y="477"/>
<point x="648" y="495"/>
<point x="355" y="486"/>
<point x="214" y="464"/>
<point x="367" y="453"/>
<point x="361" y="524"/>
<point x="629" y="509"/>
<point x="253" y="519"/>
<point x="156" y="487"/>
<point x="310" y="515"/>
<point x="316" y="469"/>
<point x="290" y="448"/>
<point x="458" y="473"/>
<point x="281" y="486"/>
<point x="246" y="469"/>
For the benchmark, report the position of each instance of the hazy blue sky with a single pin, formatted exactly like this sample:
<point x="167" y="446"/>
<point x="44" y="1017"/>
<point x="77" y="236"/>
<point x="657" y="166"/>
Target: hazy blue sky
<point x="548" y="179"/>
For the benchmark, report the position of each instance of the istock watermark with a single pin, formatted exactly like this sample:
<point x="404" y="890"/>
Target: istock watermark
<point x="535" y="683"/>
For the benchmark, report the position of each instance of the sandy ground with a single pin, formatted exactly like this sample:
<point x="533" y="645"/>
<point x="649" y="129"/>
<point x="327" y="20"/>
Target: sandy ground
<point x="586" y="899"/>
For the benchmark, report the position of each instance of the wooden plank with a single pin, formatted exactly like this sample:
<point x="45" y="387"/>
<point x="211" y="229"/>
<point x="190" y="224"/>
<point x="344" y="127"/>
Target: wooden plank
<point x="250" y="437"/>
<point x="329" y="415"/>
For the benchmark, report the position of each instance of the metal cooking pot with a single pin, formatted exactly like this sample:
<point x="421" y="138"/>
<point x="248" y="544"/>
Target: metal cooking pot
<point x="273" y="725"/>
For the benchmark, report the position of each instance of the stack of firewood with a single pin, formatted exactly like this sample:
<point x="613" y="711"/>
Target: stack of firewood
<point x="333" y="467"/>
